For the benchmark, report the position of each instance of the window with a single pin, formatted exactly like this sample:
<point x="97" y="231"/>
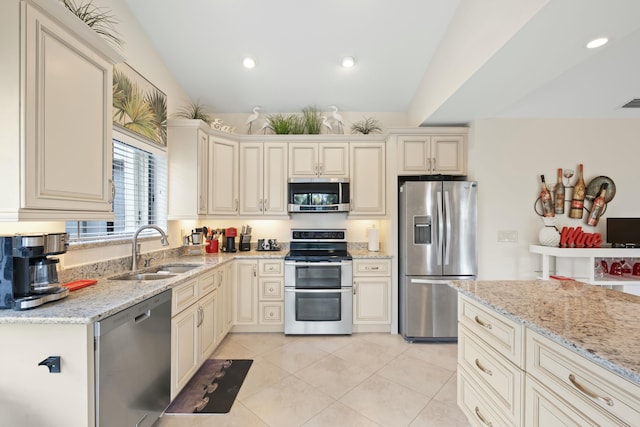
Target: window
<point x="140" y="179"/>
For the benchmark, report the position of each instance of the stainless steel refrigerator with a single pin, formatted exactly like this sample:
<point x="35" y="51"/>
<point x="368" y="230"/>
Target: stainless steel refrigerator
<point x="437" y="237"/>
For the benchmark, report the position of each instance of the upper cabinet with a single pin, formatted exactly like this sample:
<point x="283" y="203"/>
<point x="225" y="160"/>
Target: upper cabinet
<point x="263" y="182"/>
<point x="188" y="146"/>
<point x="432" y="151"/>
<point x="223" y="177"/>
<point x="368" y="178"/>
<point x="56" y="96"/>
<point x="318" y="160"/>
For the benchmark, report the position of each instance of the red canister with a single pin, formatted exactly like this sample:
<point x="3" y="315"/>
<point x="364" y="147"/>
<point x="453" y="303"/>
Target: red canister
<point x="212" y="246"/>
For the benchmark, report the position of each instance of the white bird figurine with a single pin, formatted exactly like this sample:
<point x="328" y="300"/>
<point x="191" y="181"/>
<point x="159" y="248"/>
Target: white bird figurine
<point x="253" y="117"/>
<point x="326" y="124"/>
<point x="265" y="127"/>
<point x="338" y="118"/>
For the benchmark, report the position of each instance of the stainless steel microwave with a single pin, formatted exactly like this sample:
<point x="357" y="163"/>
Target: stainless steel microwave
<point x="318" y="195"/>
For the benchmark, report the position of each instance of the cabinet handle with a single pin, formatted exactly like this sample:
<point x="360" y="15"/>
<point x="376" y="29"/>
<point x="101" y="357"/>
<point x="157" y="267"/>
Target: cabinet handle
<point x="113" y="191"/>
<point x="200" y="320"/>
<point x="375" y="267"/>
<point x="588" y="392"/>
<point x="482" y="418"/>
<point x="350" y="204"/>
<point x="481" y="323"/>
<point x="483" y="369"/>
<point x="254" y="270"/>
<point x="355" y="286"/>
<point x="433" y="164"/>
<point x="265" y="207"/>
<point x="321" y="169"/>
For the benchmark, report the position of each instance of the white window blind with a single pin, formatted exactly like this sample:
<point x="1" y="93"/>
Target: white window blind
<point x="140" y="179"/>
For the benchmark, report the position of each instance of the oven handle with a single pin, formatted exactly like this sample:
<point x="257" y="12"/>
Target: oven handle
<point x="318" y="291"/>
<point x="317" y="264"/>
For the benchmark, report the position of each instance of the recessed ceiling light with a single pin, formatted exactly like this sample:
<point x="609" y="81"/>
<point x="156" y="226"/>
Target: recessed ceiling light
<point x="348" y="61"/>
<point x="601" y="41"/>
<point x="249" y="62"/>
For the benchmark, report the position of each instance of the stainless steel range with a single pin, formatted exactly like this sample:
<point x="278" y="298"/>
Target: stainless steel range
<point x="318" y="276"/>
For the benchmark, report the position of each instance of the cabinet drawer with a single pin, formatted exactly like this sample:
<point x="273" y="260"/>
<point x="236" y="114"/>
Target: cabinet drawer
<point x="477" y="409"/>
<point x="371" y="267"/>
<point x="504" y="335"/>
<point x="271" y="312"/>
<point x="206" y="283"/>
<point x="271" y="288"/>
<point x="270" y="267"/>
<point x="500" y="378"/>
<point x="589" y="385"/>
<point x="543" y="408"/>
<point x="183" y="296"/>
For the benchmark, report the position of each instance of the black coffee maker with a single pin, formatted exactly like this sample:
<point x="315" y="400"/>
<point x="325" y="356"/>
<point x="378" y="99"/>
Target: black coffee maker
<point x="28" y="273"/>
<point x="230" y="239"/>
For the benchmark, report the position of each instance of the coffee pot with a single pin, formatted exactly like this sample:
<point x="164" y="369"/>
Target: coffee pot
<point x="230" y="239"/>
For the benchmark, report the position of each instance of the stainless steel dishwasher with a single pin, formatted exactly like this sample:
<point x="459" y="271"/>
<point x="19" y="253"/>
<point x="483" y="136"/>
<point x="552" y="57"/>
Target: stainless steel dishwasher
<point x="133" y="363"/>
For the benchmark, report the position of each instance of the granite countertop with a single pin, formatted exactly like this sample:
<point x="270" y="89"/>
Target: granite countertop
<point x="365" y="253"/>
<point x="108" y="297"/>
<point x="600" y="324"/>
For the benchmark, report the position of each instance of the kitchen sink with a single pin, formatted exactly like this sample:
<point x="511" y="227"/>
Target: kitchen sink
<point x="143" y="276"/>
<point x="172" y="268"/>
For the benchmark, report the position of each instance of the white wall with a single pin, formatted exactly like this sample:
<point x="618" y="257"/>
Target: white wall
<point x="507" y="156"/>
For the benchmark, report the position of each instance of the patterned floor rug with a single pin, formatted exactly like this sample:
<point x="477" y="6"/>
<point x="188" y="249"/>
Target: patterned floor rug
<point x="212" y="389"/>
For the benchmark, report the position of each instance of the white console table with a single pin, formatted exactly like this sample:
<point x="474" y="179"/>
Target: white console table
<point x="589" y="256"/>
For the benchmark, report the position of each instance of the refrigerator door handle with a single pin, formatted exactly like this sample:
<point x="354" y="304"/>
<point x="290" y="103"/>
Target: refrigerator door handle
<point x="430" y="281"/>
<point x="440" y="227"/>
<point x="447" y="244"/>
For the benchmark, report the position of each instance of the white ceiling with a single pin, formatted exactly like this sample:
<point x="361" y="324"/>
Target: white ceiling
<point x="441" y="61"/>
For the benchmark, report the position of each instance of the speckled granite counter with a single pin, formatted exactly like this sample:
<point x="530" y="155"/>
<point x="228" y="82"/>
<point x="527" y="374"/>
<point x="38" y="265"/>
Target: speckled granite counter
<point x="111" y="296"/>
<point x="600" y="324"/>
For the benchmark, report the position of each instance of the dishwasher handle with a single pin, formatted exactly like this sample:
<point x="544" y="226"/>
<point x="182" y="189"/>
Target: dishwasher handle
<point x="142" y="317"/>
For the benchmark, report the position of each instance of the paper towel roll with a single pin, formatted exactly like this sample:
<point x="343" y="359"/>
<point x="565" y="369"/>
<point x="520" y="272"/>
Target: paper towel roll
<point x="374" y="239"/>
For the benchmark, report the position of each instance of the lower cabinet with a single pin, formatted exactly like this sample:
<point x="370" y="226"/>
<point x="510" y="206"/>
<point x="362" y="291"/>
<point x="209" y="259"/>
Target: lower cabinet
<point x="371" y="295"/>
<point x="512" y="375"/>
<point x="258" y="300"/>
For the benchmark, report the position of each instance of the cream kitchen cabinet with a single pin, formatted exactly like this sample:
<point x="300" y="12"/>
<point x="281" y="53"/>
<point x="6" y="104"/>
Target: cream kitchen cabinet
<point x="271" y="293"/>
<point x="188" y="147"/>
<point x="223" y="177"/>
<point x="56" y="106"/>
<point x="224" y="316"/>
<point x="263" y="183"/>
<point x="245" y="293"/>
<point x="323" y="160"/>
<point x="371" y="295"/>
<point x="427" y="153"/>
<point x="193" y="328"/>
<point x="368" y="178"/>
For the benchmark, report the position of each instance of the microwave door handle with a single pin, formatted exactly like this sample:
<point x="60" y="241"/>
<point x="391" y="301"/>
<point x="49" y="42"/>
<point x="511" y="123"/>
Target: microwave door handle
<point x="440" y="227"/>
<point x="447" y="243"/>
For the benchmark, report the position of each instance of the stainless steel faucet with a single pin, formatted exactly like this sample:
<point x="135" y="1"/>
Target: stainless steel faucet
<point x="134" y="252"/>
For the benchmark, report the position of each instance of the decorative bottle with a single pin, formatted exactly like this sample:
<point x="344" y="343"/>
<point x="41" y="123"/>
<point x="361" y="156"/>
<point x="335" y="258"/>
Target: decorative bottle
<point x="558" y="193"/>
<point x="577" y="201"/>
<point x="545" y="198"/>
<point x="598" y="206"/>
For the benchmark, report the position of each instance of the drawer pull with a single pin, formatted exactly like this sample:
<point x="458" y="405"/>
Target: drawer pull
<point x="482" y="418"/>
<point x="483" y="369"/>
<point x="481" y="323"/>
<point x="588" y="392"/>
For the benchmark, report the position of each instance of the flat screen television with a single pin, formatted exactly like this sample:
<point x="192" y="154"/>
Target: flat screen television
<point x="623" y="231"/>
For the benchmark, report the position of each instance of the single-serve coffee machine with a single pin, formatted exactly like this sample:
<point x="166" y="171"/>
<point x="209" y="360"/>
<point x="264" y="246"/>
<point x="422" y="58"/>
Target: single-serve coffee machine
<point x="28" y="272"/>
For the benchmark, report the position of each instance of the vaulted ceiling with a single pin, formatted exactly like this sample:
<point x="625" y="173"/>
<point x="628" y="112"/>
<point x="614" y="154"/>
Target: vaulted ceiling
<point x="441" y="61"/>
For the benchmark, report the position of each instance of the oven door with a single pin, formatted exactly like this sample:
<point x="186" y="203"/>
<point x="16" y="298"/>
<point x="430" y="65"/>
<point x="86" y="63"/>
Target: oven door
<point x="318" y="297"/>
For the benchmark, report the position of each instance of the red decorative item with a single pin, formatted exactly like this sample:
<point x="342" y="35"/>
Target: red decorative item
<point x="574" y="237"/>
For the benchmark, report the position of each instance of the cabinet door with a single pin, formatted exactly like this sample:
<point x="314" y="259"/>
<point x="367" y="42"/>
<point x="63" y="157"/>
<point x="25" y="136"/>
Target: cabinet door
<point x="245" y="295"/>
<point x="203" y="176"/>
<point x="368" y="178"/>
<point x="448" y="154"/>
<point x="251" y="179"/>
<point x="333" y="160"/>
<point x="303" y="160"/>
<point x="229" y="283"/>
<point x="184" y="347"/>
<point x="223" y="177"/>
<point x="207" y="339"/>
<point x="274" y="200"/>
<point x="221" y="308"/>
<point x="414" y="154"/>
<point x="68" y="92"/>
<point x="371" y="300"/>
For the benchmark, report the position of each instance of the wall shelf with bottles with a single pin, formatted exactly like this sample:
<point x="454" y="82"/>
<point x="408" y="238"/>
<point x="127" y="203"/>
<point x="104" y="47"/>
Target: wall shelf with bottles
<point x="560" y="261"/>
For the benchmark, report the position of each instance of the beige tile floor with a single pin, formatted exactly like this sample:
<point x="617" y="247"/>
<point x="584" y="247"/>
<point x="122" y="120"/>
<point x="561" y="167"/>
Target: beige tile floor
<point x="361" y="380"/>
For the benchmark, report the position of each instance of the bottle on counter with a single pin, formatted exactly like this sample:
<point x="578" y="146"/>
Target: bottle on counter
<point x="598" y="206"/>
<point x="545" y="198"/>
<point x="577" y="201"/>
<point x="558" y="194"/>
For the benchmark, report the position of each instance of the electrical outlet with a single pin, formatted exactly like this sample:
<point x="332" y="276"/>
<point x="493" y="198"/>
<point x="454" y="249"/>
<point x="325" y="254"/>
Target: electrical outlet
<point x="507" y="236"/>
